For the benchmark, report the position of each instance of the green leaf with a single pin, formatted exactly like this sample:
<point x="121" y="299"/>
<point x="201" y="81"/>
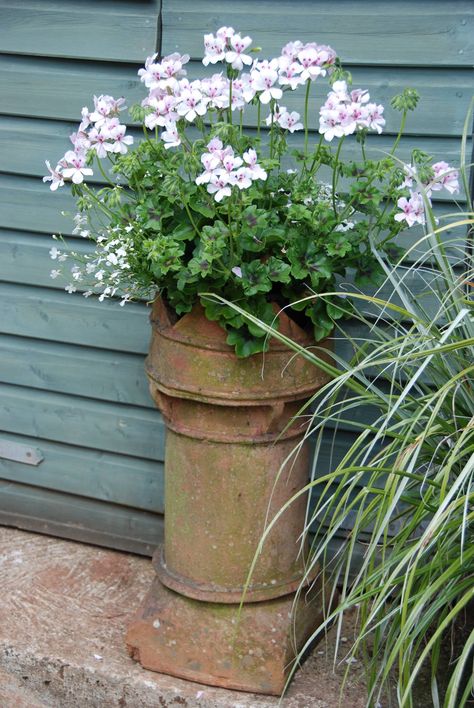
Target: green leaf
<point x="278" y="271"/>
<point x="255" y="278"/>
<point x="244" y="343"/>
<point x="202" y="208"/>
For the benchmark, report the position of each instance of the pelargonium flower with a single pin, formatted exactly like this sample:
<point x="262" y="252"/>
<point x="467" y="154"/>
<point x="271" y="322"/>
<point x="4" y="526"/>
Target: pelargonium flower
<point x="105" y="107"/>
<point x="214" y="48"/>
<point x="219" y="187"/>
<point x="191" y="103"/>
<point x="291" y="49"/>
<point x="215" y="88"/>
<point x="445" y="176"/>
<point x="78" y="170"/>
<point x="210" y="162"/>
<point x="257" y="172"/>
<point x="290" y="121"/>
<point x="263" y="76"/>
<point x="413" y="210"/>
<point x="170" y="136"/>
<point x="55" y="176"/>
<point x="164" y="74"/>
<point x="99" y="141"/>
<point x="242" y="178"/>
<point x="163" y="111"/>
<point x="236" y="56"/>
<point x="315" y="60"/>
<point x="277" y="113"/>
<point x="344" y="113"/>
<point x="120" y="140"/>
<point x="290" y="73"/>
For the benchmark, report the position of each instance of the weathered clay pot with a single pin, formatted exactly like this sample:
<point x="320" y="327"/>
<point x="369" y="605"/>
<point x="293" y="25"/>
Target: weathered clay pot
<point x="229" y="467"/>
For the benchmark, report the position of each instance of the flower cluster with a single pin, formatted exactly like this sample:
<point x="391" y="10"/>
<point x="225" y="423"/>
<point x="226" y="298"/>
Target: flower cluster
<point x="204" y="205"/>
<point x="438" y="176"/>
<point x="223" y="170"/>
<point x="100" y="132"/>
<point x="346" y="112"/>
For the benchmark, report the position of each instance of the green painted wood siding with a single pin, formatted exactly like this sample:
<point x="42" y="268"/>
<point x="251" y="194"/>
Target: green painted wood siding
<point x="71" y="370"/>
<point x="71" y="374"/>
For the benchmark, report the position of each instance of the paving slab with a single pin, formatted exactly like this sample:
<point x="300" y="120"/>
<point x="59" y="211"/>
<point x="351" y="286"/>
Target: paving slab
<point x="64" y="608"/>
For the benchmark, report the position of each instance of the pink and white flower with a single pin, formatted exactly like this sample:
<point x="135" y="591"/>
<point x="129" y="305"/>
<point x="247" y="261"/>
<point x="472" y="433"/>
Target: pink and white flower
<point x="256" y="172"/>
<point x="219" y="187"/>
<point x="214" y="49"/>
<point x="210" y="162"/>
<point x="413" y="211"/>
<point x="315" y="60"/>
<point x="191" y="103"/>
<point x="105" y="107"/>
<point x="264" y="77"/>
<point x="290" y="73"/>
<point x="120" y="140"/>
<point x="236" y="56"/>
<point x="242" y="178"/>
<point x="165" y="74"/>
<point x="163" y="111"/>
<point x="170" y="136"/>
<point x="290" y="121"/>
<point x="55" y="176"/>
<point x="344" y="113"/>
<point x="78" y="169"/>
<point x="445" y="176"/>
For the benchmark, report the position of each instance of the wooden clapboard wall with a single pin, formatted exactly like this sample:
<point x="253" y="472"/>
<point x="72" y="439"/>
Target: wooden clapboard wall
<point x="71" y="370"/>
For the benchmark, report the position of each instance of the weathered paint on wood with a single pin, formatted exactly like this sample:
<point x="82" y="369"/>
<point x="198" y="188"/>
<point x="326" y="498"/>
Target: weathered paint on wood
<point x="26" y="203"/>
<point x="51" y="512"/>
<point x="57" y="316"/>
<point x="113" y="32"/>
<point x="97" y="425"/>
<point x="108" y="477"/>
<point x="371" y="32"/>
<point x="117" y="377"/>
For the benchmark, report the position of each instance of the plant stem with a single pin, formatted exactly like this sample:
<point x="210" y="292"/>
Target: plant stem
<point x="258" y="119"/>
<point x="230" y="102"/>
<point x="191" y="219"/>
<point x="231" y="236"/>
<point x="100" y="204"/>
<point x="306" y="109"/>
<point x="400" y="132"/>
<point x="272" y="108"/>
<point x="335" y="175"/>
<point x="104" y="174"/>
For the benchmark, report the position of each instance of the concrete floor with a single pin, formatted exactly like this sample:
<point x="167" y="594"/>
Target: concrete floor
<point x="64" y="607"/>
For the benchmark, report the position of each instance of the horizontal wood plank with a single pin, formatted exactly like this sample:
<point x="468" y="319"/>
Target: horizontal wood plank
<point x="123" y="32"/>
<point x="362" y="32"/>
<point x="49" y="88"/>
<point x="56" y="316"/>
<point x="117" y="377"/>
<point x="50" y="512"/>
<point x="118" y="479"/>
<point x="27" y="204"/>
<point x="122" y="429"/>
<point x="44" y="88"/>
